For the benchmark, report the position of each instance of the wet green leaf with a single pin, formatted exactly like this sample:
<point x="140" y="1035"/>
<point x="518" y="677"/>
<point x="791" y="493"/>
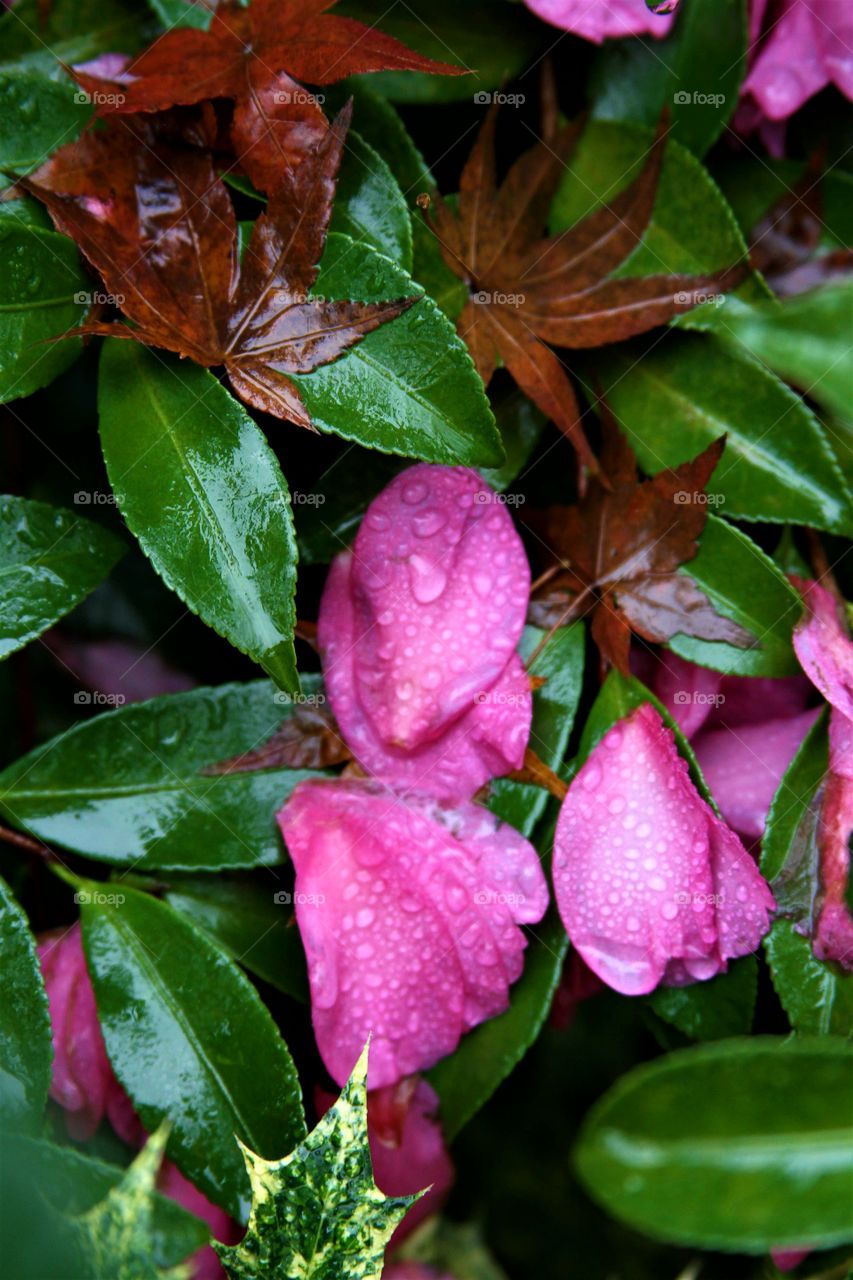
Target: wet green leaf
<point x="712" y="1010"/>
<point x="25" y="1044"/>
<point x="369" y="206"/>
<point x="817" y="997"/>
<point x="39" y="115"/>
<point x="40" y="38"/>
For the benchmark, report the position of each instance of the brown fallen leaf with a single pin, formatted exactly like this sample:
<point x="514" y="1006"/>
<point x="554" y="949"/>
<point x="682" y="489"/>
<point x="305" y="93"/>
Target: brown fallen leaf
<point x="148" y="211"/>
<point x="618" y="551"/>
<point x="308" y="739"/>
<point x="529" y="291"/>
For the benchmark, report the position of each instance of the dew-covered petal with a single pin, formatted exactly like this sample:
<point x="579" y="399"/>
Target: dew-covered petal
<point x="439" y="583"/>
<point x="743" y="898"/>
<point x="632" y="861"/>
<point x="834" y="933"/>
<point x="743" y="766"/>
<point x="484" y="742"/>
<point x="824" y="651"/>
<point x="790" y="66"/>
<point x="602" y="19"/>
<point x="408" y="928"/>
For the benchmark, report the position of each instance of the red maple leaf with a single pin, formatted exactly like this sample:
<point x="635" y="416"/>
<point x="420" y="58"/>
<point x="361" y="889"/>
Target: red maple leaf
<point x="528" y="290"/>
<point x="149" y="212"/>
<point x="617" y="553"/>
<point x="255" y="56"/>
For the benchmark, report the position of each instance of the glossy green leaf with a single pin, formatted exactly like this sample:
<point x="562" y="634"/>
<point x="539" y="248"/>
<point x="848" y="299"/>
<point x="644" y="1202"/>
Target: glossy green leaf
<point x="183" y="13"/>
<point x="25" y="1045"/>
<point x="39" y="115"/>
<point x="521" y="425"/>
<point x="203" y="492"/>
<point x="253" y="921"/>
<point x="560" y="665"/>
<point x="190" y="1041"/>
<point x="724" y="1006"/>
<point x="494" y="40"/>
<point x="695" y="71"/>
<point x="792" y="812"/>
<point x="41" y="38"/>
<point x="369" y="206"/>
<point x="116" y="1234"/>
<point x="690" y="389"/>
<point x="409" y="387"/>
<point x="126" y="787"/>
<point x="466" y="1079"/>
<point x="692" y="229"/>
<point x="50" y="559"/>
<point x="737" y="1145"/>
<point x="817" y="997"/>
<point x="806" y="340"/>
<point x="743" y="583"/>
<point x="73" y="1182"/>
<point x="317" y="1214"/>
<point x="44" y="291"/>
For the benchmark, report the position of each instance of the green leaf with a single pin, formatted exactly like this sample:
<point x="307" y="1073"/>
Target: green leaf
<point x="738" y="1145"/>
<point x="743" y="583"/>
<point x="74" y="1182"/>
<point x="409" y="387"/>
<point x="39" y="115"/>
<point x="253" y="923"/>
<point x="116" y="1235"/>
<point x="190" y="1041"/>
<point x="692" y="228"/>
<point x="725" y="1006"/>
<point x="495" y="40"/>
<point x="560" y="664"/>
<point x="817" y="998"/>
<point x="690" y="389"/>
<point x="317" y="1214"/>
<point x="203" y="492"/>
<point x="43" y="293"/>
<point x="41" y="38"/>
<point x="695" y="71"/>
<point x="26" y="1053"/>
<point x="805" y="340"/>
<point x="182" y="13"/>
<point x="50" y="559"/>
<point x="791" y="815"/>
<point x="369" y="206"/>
<point x="488" y="1054"/>
<point x="126" y="787"/>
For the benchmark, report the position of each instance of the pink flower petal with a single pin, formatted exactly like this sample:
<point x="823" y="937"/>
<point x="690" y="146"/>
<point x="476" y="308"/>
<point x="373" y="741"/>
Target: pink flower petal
<point x="834" y="935"/>
<point x="417" y="629"/>
<point x="407" y="1147"/>
<point x="601" y="19"/>
<point x="824" y="651"/>
<point x="789" y="67"/>
<point x="649" y="884"/>
<point x="688" y="692"/>
<point x="747" y="699"/>
<point x="788" y="1259"/>
<point x="172" y="1183"/>
<point x="408" y="912"/>
<point x="744" y="766"/>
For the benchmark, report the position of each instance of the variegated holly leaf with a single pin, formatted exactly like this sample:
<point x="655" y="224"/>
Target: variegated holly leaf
<point x="317" y="1214"/>
<point x="116" y="1235"/>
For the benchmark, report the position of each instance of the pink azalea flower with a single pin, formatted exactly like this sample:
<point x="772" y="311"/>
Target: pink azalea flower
<point x="825" y="653"/>
<point x="418" y="628"/>
<point x="798" y="48"/>
<point x="602" y="19"/>
<point x="85" y="1085"/>
<point x="651" y="886"/>
<point x="745" y="732"/>
<point x="408" y="912"/>
<point x="788" y="1259"/>
<point x="407" y="1148"/>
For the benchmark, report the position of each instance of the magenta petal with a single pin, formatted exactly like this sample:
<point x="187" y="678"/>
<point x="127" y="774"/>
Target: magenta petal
<point x="643" y="869"/>
<point x="834" y="935"/>
<point x="747" y="699"/>
<point x="418" y="627"/>
<point x="824" y="651"/>
<point x="602" y="19"/>
<point x="204" y="1262"/>
<point x="407" y="912"/>
<point x="789" y="67"/>
<point x="744" y="766"/>
<point x="788" y="1259"/>
<point x="688" y="692"/>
